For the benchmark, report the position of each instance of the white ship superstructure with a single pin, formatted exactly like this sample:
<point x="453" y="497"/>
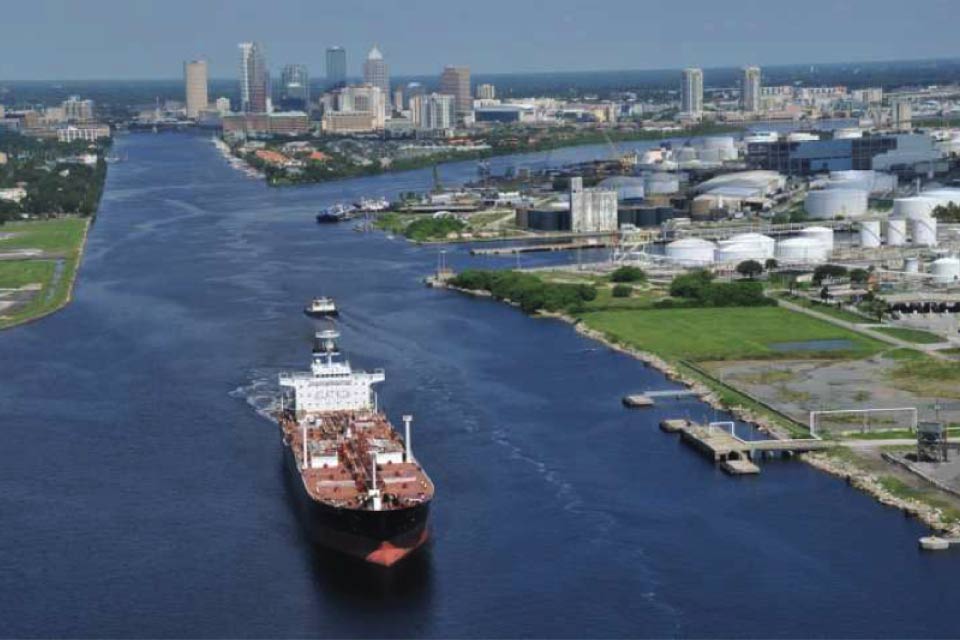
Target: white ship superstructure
<point x="331" y="384"/>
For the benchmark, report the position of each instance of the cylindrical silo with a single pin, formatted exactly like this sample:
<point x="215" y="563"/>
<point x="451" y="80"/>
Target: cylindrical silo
<point x="870" y="234"/>
<point x="896" y="231"/>
<point x="913" y="207"/>
<point x="924" y="230"/>
<point x="691" y="252"/>
<point x="823" y="235"/>
<point x="911" y="265"/>
<point x="737" y="252"/>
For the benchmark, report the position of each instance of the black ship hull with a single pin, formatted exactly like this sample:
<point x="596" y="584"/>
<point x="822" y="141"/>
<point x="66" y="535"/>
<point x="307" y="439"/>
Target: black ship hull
<point x="379" y="537"/>
<point x="327" y="218"/>
<point x="321" y="314"/>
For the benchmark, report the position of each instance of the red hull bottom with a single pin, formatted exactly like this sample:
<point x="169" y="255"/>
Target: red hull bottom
<point x="384" y="553"/>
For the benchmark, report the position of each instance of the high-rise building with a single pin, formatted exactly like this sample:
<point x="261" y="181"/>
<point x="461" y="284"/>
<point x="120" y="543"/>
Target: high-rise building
<point x="195" y="86"/>
<point x="902" y="115"/>
<point x="336" y="67"/>
<point x="254" y="81"/>
<point x="356" y="108"/>
<point x="375" y="72"/>
<point x="295" y="88"/>
<point x="691" y="93"/>
<point x="486" y="92"/>
<point x="750" y="89"/>
<point x="398" y="98"/>
<point x="223" y="105"/>
<point x="455" y="81"/>
<point x="592" y="209"/>
<point x="77" y="110"/>
<point x="434" y="112"/>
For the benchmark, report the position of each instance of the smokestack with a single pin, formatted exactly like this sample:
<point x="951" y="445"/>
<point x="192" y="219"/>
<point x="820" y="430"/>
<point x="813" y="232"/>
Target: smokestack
<point x="406" y="437"/>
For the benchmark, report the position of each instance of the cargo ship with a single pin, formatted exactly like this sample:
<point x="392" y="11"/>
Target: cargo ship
<point x="359" y="488"/>
<point x="336" y="213"/>
<point x="321" y="308"/>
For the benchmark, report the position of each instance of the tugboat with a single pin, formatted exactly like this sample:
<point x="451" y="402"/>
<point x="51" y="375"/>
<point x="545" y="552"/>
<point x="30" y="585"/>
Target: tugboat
<point x="336" y="213"/>
<point x="323" y="307"/>
<point x="359" y="489"/>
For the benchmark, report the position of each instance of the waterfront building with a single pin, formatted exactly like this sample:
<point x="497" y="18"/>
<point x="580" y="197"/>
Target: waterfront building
<point x="434" y="112"/>
<point x="486" y="92"/>
<point x="750" y="90"/>
<point x="354" y="109"/>
<point x="262" y="125"/>
<point x="375" y="72"/>
<point x="398" y="103"/>
<point x="77" y="110"/>
<point x="504" y="113"/>
<point x="254" y="80"/>
<point x="87" y="133"/>
<point x="294" y="88"/>
<point x="455" y="81"/>
<point x="336" y="67"/>
<point x="691" y="93"/>
<point x="223" y="105"/>
<point x="195" y="87"/>
<point x="592" y="210"/>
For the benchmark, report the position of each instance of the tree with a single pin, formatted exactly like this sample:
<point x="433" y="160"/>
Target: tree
<point x="770" y="264"/>
<point x="947" y="213"/>
<point x="750" y="269"/>
<point x="622" y="291"/>
<point x="859" y="276"/>
<point x="628" y="274"/>
<point x="691" y="285"/>
<point x="873" y="305"/>
<point x="828" y="272"/>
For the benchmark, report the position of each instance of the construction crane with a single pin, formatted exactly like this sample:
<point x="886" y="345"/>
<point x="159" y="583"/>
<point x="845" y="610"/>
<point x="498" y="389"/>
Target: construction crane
<point x="628" y="160"/>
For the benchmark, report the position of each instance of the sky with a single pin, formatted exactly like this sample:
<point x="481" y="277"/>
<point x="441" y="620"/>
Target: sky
<point x="132" y="39"/>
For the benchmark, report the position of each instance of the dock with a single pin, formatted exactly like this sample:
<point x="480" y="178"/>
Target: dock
<point x="937" y="543"/>
<point x="535" y="248"/>
<point x="637" y="401"/>
<point x="648" y="398"/>
<point x="719" y="442"/>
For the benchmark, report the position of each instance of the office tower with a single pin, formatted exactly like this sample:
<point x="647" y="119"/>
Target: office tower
<point x="254" y="81"/>
<point x="336" y="67"/>
<point x="77" y="110"/>
<point x="195" y="85"/>
<point x="486" y="92"/>
<point x="455" y="81"/>
<point x="434" y="112"/>
<point x="375" y="72"/>
<point x="902" y="115"/>
<point x="414" y="89"/>
<point x="750" y="90"/>
<point x="691" y="94"/>
<point x="398" y="98"/>
<point x="294" y="88"/>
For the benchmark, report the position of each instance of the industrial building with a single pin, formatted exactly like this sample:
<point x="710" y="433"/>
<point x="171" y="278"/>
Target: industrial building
<point x="592" y="210"/>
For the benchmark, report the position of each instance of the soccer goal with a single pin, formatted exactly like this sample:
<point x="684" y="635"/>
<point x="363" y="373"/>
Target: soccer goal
<point x="853" y="421"/>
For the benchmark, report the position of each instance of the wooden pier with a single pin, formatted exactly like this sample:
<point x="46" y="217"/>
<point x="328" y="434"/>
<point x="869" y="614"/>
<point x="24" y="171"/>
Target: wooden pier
<point x="535" y="248"/>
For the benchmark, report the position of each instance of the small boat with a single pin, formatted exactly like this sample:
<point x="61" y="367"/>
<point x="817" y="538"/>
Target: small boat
<point x="321" y="308"/>
<point x="372" y="205"/>
<point x="336" y="213"/>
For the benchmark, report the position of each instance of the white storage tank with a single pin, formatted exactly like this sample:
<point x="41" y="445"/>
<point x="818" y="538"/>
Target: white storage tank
<point x="831" y="203"/>
<point x="945" y="270"/>
<point x="913" y="207"/>
<point x="823" y="235"/>
<point x="691" y="252"/>
<point x="911" y="265"/>
<point x="765" y="245"/>
<point x="801" y="249"/>
<point x="736" y="252"/>
<point x="942" y="197"/>
<point x="870" y="234"/>
<point x="924" y="230"/>
<point x="896" y="231"/>
<point x="627" y="187"/>
<point x="660" y="183"/>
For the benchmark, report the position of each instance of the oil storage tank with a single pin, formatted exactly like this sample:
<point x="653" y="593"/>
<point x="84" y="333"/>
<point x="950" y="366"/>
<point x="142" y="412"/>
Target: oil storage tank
<point x="691" y="252"/>
<point x="828" y="204"/>
<point x="924" y="230"/>
<point x="913" y="207"/>
<point x="763" y="246"/>
<point x="945" y="270"/>
<point x="801" y="249"/>
<point x="660" y="183"/>
<point x="896" y="231"/>
<point x="628" y="188"/>
<point x="823" y="235"/>
<point x="870" y="234"/>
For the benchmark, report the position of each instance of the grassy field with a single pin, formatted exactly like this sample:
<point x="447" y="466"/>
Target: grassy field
<point x="62" y="240"/>
<point x="724" y="334"/>
<point x="921" y="374"/>
<point x="829" y="310"/>
<point x="911" y="335"/>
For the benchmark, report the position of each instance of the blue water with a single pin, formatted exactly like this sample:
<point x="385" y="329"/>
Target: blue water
<point x="813" y="345"/>
<point x="142" y="494"/>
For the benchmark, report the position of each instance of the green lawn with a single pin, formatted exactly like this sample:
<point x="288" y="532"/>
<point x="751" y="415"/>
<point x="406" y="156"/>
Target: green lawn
<point x="911" y="335"/>
<point x="62" y="237"/>
<point x="725" y="333"/>
<point x="829" y="310"/>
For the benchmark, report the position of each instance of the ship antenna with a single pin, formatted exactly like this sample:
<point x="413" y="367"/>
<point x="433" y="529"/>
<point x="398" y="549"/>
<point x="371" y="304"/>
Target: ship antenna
<point x="406" y="436"/>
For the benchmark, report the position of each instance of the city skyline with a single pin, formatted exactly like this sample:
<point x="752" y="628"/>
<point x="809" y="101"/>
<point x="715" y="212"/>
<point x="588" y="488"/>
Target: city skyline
<point x="572" y="38"/>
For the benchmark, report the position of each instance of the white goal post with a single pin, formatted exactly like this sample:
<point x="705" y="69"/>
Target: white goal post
<point x="866" y="413"/>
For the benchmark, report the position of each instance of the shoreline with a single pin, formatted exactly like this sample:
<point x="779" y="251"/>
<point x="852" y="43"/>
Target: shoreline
<point x="855" y="476"/>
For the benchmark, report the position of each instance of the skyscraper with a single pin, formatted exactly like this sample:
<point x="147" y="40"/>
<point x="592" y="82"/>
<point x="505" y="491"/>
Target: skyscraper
<point x="434" y="112"/>
<point x="486" y="92"/>
<point x="455" y="81"/>
<point x="195" y="85"/>
<point x="336" y="67"/>
<point x="750" y="90"/>
<point x="295" y="88"/>
<point x="375" y="72"/>
<point x="691" y="94"/>
<point x="254" y="83"/>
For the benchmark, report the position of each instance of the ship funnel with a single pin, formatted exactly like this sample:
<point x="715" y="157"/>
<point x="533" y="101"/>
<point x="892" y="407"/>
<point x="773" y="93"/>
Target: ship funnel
<point x="326" y="340"/>
<point x="406" y="437"/>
